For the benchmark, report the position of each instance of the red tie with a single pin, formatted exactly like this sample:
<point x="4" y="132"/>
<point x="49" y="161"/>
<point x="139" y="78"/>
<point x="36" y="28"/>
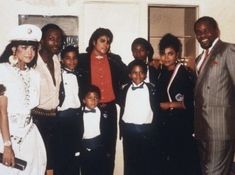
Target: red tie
<point x="204" y="60"/>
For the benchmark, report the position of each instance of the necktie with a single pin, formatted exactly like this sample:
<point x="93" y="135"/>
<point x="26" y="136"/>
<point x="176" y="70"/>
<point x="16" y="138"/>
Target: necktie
<point x="91" y="110"/>
<point x="138" y="87"/>
<point x="204" y="60"/>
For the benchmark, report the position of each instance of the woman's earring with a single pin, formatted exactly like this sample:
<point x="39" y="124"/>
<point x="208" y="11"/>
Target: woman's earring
<point x="13" y="60"/>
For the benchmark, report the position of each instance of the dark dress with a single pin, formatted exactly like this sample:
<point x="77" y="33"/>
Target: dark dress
<point x="175" y="126"/>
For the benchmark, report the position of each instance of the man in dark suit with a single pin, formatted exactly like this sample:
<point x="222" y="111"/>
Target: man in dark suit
<point x="105" y="70"/>
<point x="214" y="99"/>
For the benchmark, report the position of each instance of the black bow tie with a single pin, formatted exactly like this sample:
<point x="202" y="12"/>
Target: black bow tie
<point x="70" y="71"/>
<point x="91" y="110"/>
<point x="138" y="87"/>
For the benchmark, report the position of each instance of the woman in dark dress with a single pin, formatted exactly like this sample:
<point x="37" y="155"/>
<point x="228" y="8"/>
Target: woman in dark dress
<point x="175" y="123"/>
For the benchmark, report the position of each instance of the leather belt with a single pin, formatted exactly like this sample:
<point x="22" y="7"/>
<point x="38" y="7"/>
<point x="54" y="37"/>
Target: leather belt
<point x="44" y="112"/>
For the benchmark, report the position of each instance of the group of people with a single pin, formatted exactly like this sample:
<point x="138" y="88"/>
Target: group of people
<point x="58" y="107"/>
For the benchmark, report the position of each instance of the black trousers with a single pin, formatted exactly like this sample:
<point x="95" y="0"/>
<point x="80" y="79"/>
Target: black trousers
<point x="110" y="135"/>
<point x="93" y="162"/>
<point x="140" y="150"/>
<point x="66" y="163"/>
<point x="46" y="126"/>
<point x="179" y="154"/>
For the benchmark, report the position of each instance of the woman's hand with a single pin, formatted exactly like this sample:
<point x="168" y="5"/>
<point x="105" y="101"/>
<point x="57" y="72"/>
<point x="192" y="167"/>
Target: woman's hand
<point x="165" y="105"/>
<point x="188" y="62"/>
<point x="172" y="105"/>
<point x="8" y="156"/>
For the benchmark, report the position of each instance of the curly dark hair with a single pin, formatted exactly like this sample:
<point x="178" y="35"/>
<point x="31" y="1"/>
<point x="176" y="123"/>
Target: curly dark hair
<point x="134" y="63"/>
<point x="69" y="49"/>
<point x="146" y="44"/>
<point x="169" y="40"/>
<point x="96" y="34"/>
<point x="52" y="26"/>
<point x="4" y="58"/>
<point x="91" y="88"/>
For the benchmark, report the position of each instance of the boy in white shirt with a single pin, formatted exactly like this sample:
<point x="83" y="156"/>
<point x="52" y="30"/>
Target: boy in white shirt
<point x="138" y="122"/>
<point x="68" y="115"/>
<point x="92" y="127"/>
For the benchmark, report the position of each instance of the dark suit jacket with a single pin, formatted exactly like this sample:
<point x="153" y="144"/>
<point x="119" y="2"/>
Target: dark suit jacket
<point x="80" y="130"/>
<point x="153" y="74"/>
<point x="215" y="94"/>
<point x="152" y="98"/>
<point x="119" y="72"/>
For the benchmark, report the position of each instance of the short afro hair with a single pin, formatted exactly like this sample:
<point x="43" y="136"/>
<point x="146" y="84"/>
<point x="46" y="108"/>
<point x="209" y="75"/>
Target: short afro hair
<point x="169" y="40"/>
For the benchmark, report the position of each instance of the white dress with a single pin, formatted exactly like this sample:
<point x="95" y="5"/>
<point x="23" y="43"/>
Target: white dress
<point x="22" y="91"/>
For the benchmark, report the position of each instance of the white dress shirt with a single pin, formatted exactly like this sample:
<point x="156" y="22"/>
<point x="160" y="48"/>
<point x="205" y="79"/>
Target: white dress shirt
<point x="91" y="124"/>
<point x="71" y="90"/>
<point x="137" y="108"/>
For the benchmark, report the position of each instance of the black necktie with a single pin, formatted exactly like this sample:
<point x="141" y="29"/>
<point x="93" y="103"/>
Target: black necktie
<point x="91" y="110"/>
<point x="138" y="87"/>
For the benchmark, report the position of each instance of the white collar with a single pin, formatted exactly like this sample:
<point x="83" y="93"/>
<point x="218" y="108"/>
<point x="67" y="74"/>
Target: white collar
<point x="213" y="44"/>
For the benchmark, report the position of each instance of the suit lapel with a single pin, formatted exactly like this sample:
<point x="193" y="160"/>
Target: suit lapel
<point x="211" y="57"/>
<point x="82" y="121"/>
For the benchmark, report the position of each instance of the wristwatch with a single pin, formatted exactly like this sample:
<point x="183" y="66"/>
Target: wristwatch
<point x="7" y="143"/>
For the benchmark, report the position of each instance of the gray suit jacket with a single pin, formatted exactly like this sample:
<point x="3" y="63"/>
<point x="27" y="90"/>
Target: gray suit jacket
<point x="215" y="94"/>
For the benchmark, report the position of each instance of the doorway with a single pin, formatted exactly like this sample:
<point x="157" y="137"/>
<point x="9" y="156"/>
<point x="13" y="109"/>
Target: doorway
<point x="178" y="20"/>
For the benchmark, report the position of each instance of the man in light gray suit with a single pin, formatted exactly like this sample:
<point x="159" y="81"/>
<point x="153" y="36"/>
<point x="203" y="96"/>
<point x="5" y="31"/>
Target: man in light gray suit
<point x="214" y="99"/>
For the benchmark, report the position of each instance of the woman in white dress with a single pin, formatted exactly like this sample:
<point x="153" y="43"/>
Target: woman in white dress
<point x="19" y="137"/>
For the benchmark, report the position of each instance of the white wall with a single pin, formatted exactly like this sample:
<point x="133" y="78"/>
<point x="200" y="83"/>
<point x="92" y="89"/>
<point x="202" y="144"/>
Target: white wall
<point x="127" y="19"/>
